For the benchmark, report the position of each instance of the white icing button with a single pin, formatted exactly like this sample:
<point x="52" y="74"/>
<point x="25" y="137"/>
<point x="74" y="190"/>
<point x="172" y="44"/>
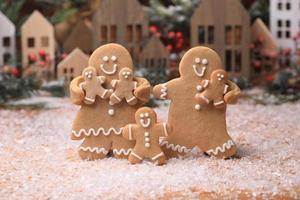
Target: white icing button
<point x="105" y="58"/>
<point x="197" y="107"/>
<point x="147" y="145"/>
<point x="197" y="60"/>
<point x="199" y="88"/>
<point x="147" y="134"/>
<point x="114" y="58"/>
<point x="204" y="62"/>
<point x="147" y="139"/>
<point x="111" y="112"/>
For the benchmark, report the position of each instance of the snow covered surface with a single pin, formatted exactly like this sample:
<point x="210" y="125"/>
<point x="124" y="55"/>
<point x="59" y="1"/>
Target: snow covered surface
<point x="39" y="161"/>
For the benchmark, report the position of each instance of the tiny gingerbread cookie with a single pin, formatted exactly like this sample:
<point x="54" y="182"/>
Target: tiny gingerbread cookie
<point x="124" y="88"/>
<point x="214" y="90"/>
<point x="146" y="132"/>
<point x="92" y="85"/>
<point x="192" y="126"/>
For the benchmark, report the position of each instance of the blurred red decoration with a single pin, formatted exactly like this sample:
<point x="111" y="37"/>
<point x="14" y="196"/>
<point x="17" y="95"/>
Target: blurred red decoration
<point x="260" y="39"/>
<point x="287" y="51"/>
<point x="15" y="72"/>
<point x="299" y="34"/>
<point x="252" y="46"/>
<point x="32" y="57"/>
<point x="42" y="53"/>
<point x="47" y="59"/>
<point x="269" y="78"/>
<point x="42" y="64"/>
<point x="158" y="34"/>
<point x="153" y="29"/>
<point x="179" y="34"/>
<point x="257" y="63"/>
<point x="169" y="47"/>
<point x="295" y="38"/>
<point x="171" y="34"/>
<point x="269" y="53"/>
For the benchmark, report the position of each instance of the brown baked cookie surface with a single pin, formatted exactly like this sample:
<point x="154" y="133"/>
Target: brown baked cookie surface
<point x="100" y="124"/>
<point x="191" y="126"/>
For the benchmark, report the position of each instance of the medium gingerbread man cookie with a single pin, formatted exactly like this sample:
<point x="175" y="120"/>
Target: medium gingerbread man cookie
<point x="214" y="90"/>
<point x="92" y="85"/>
<point x="146" y="132"/>
<point x="124" y="88"/>
<point x="191" y="127"/>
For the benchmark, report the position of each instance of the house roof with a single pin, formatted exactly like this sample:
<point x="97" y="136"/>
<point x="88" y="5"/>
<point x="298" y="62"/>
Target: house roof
<point x="75" y="54"/>
<point x="5" y="22"/>
<point x="38" y="19"/>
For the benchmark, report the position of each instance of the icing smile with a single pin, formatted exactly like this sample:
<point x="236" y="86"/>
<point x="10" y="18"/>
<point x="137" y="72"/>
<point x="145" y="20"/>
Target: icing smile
<point x="109" y="72"/>
<point x="145" y="124"/>
<point x="201" y="73"/>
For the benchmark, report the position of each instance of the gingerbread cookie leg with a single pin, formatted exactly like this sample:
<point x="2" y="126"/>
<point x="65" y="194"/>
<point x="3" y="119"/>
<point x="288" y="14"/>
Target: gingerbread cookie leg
<point x="114" y="99"/>
<point x="219" y="103"/>
<point x="131" y="100"/>
<point x="159" y="159"/>
<point x="90" y="97"/>
<point x="134" y="158"/>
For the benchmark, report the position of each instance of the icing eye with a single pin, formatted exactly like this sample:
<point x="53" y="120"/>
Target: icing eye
<point x="124" y="73"/>
<point x="141" y="115"/>
<point x="105" y="58"/>
<point x="204" y="61"/>
<point x="197" y="60"/>
<point x="222" y="75"/>
<point x="114" y="58"/>
<point x="146" y="114"/>
<point x="86" y="73"/>
<point x="128" y="73"/>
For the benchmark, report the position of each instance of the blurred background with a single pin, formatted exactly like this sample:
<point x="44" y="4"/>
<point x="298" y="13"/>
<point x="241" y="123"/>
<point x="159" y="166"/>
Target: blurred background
<point x="45" y="44"/>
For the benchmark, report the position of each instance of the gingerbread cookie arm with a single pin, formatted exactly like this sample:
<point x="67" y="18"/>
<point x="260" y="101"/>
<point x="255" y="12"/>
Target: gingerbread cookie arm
<point x="143" y="89"/>
<point x="76" y="92"/>
<point x="128" y="132"/>
<point x="165" y="90"/>
<point x="114" y="83"/>
<point x="232" y="93"/>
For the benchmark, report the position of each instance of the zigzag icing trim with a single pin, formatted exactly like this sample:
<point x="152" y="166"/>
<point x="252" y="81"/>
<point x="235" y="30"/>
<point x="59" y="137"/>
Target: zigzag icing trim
<point x="122" y="151"/>
<point x="226" y="145"/>
<point x="177" y="147"/>
<point x="94" y="149"/>
<point x="92" y="131"/>
<point x="163" y="91"/>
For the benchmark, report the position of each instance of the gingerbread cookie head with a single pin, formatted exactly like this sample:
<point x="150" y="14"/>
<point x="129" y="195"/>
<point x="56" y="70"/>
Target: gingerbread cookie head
<point x="199" y="63"/>
<point x="145" y="117"/>
<point x="126" y="74"/>
<point x="219" y="76"/>
<point x="109" y="59"/>
<point x="89" y="74"/>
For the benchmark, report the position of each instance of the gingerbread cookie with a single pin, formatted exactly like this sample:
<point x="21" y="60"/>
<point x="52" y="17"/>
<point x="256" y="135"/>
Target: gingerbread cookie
<point x="92" y="85"/>
<point x="124" y="88"/>
<point x="214" y="90"/>
<point x="191" y="127"/>
<point x="146" y="132"/>
<point x="100" y="124"/>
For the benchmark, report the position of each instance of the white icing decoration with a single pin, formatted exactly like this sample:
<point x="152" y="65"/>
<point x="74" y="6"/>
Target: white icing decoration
<point x="199" y="88"/>
<point x="147" y="139"/>
<point x="197" y="60"/>
<point x="113" y="71"/>
<point x="124" y="73"/>
<point x="225" y="89"/>
<point x="204" y="61"/>
<point x="137" y="156"/>
<point x="178" y="148"/>
<point x="142" y="115"/>
<point x="105" y="58"/>
<point x="146" y="114"/>
<point x="226" y="145"/>
<point x="104" y="93"/>
<point x="116" y="97"/>
<point x="89" y="99"/>
<point x="157" y="156"/>
<point x="114" y="58"/>
<point x="147" y="145"/>
<point x="131" y="99"/>
<point x="130" y="132"/>
<point x="197" y="107"/>
<point x="122" y="151"/>
<point x="165" y="129"/>
<point x="196" y="71"/>
<point x="205" y="98"/>
<point x="111" y="112"/>
<point x="205" y="83"/>
<point x="147" y="134"/>
<point x="145" y="124"/>
<point x="164" y="90"/>
<point x="94" y="149"/>
<point x="218" y="103"/>
<point x="92" y="131"/>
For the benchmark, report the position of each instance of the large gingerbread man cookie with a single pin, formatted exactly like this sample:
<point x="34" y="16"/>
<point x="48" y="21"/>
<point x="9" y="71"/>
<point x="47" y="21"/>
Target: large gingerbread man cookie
<point x="124" y="88"/>
<point x="191" y="126"/>
<point x="99" y="125"/>
<point x="146" y="132"/>
<point x="92" y="85"/>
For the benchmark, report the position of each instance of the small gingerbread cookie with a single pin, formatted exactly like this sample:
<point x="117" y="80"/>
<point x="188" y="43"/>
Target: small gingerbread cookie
<point x="214" y="90"/>
<point x="92" y="85"/>
<point x="124" y="88"/>
<point x="146" y="132"/>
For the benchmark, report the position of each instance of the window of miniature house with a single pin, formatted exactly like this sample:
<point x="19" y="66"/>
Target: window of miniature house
<point x="228" y="35"/>
<point x="279" y="6"/>
<point x="129" y="33"/>
<point x="103" y="33"/>
<point x="139" y="33"/>
<point x="201" y="35"/>
<point x="228" y="58"/>
<point x="65" y="70"/>
<point x="45" y="41"/>
<point x="159" y="63"/>
<point x="30" y="42"/>
<point x="71" y="78"/>
<point x="238" y="35"/>
<point x="211" y="34"/>
<point x="279" y="23"/>
<point x="279" y="34"/>
<point x="113" y="33"/>
<point x="6" y="58"/>
<point x="287" y="34"/>
<point x="164" y="62"/>
<point x="238" y="61"/>
<point x="288" y="5"/>
<point x="288" y="23"/>
<point x="152" y="62"/>
<point x="6" y="41"/>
